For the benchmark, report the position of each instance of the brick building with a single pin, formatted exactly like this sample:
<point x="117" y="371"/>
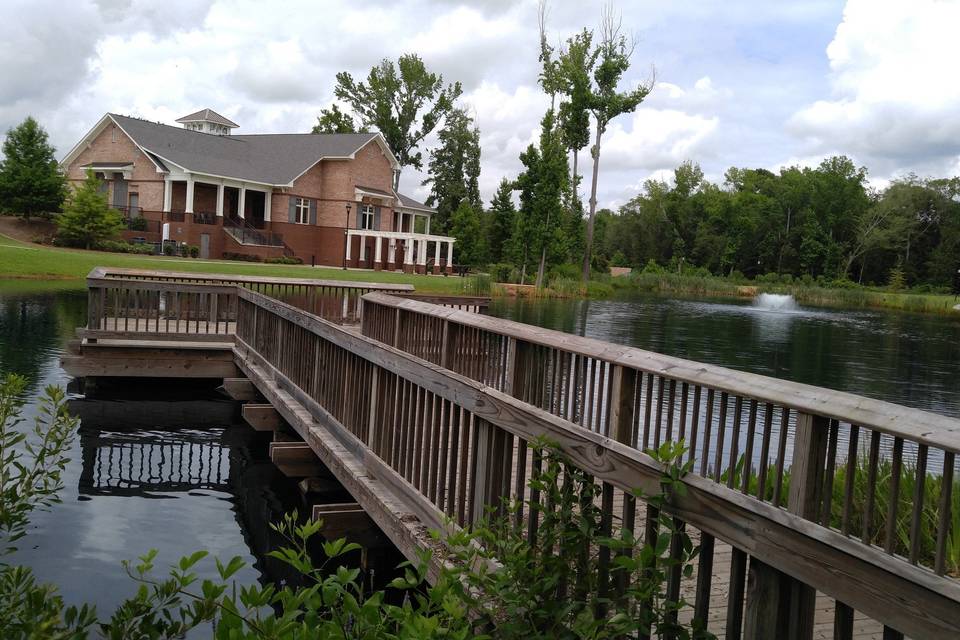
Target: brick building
<point x="325" y="198"/>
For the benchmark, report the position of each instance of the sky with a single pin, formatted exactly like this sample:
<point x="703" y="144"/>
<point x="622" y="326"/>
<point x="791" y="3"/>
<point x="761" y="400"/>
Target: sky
<point x="748" y="84"/>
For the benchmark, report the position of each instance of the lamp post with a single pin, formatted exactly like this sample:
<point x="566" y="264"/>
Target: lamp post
<point x="346" y="237"/>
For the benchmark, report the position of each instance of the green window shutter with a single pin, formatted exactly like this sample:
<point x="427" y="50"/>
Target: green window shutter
<point x="376" y="218"/>
<point x="313" y="212"/>
<point x="292" y="217"/>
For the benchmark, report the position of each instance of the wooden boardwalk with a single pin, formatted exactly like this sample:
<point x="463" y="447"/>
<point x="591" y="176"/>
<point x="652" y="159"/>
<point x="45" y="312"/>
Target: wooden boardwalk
<point x="425" y="414"/>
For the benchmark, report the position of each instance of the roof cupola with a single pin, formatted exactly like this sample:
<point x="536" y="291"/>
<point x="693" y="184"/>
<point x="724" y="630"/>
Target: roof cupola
<point x="208" y="121"/>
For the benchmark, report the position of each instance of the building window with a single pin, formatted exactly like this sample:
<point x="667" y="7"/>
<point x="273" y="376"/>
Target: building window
<point x="366" y="216"/>
<point x="302" y="211"/>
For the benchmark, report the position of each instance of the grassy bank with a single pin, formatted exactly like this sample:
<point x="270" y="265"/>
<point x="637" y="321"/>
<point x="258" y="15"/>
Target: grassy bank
<point x="21" y="261"/>
<point x="26" y="261"/>
<point x="811" y="295"/>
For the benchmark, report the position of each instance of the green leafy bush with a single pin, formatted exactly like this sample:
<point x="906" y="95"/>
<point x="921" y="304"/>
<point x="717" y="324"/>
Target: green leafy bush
<point x="503" y="272"/>
<point x="242" y="257"/>
<point x="653" y="268"/>
<point x="138" y="223"/>
<point x="284" y="260"/>
<point x="843" y="283"/>
<point x="86" y="218"/>
<point x="121" y="246"/>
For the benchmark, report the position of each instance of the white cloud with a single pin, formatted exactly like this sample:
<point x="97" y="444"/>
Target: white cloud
<point x="731" y="77"/>
<point x="894" y="101"/>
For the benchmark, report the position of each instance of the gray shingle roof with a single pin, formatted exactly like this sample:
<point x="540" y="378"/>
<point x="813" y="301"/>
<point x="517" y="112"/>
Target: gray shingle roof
<point x="407" y="201"/>
<point x="208" y="115"/>
<point x="274" y="159"/>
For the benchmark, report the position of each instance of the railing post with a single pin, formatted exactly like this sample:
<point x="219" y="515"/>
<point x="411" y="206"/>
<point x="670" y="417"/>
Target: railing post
<point x="622" y="420"/>
<point x="94" y="309"/>
<point x="806" y="486"/>
<point x="509" y="364"/>
<point x="490" y="483"/>
<point x="371" y="440"/>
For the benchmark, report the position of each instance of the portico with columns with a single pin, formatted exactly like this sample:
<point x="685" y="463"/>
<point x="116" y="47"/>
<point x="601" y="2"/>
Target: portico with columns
<point x="390" y="231"/>
<point x="402" y="250"/>
<point x="208" y="196"/>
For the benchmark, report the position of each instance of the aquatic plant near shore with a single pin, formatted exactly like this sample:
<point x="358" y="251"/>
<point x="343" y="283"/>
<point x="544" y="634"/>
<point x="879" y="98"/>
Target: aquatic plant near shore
<point x="875" y="532"/>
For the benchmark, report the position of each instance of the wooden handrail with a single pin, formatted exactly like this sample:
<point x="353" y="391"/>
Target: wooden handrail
<point x="110" y="272"/>
<point x="408" y="412"/>
<point x="174" y="305"/>
<point x="834" y="459"/>
<point x="917" y="425"/>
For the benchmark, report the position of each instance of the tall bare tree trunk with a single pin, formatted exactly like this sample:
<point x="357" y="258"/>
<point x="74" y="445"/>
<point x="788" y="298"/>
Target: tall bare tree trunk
<point x="543" y="256"/>
<point x="593" y="207"/>
<point x="576" y="188"/>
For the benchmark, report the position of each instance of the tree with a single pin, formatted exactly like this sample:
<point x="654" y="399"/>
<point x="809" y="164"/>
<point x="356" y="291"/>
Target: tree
<point x="502" y="221"/>
<point x="606" y="103"/>
<point x="466" y="227"/>
<point x="576" y="64"/>
<point x="333" y="120"/>
<point x="454" y="169"/>
<point x="542" y="185"/>
<point x="87" y="219"/>
<point x="404" y="102"/>
<point x="30" y="179"/>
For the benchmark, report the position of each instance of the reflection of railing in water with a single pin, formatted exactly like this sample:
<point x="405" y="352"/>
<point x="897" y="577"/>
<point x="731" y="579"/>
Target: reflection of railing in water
<point x="174" y="461"/>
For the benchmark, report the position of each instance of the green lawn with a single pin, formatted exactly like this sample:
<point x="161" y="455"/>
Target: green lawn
<point x="25" y="261"/>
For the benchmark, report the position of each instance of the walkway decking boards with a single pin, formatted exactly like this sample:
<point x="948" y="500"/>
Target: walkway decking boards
<point x="426" y="413"/>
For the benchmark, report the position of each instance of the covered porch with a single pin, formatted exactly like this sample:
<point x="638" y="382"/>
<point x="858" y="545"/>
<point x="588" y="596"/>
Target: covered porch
<point x="208" y="199"/>
<point x="398" y="250"/>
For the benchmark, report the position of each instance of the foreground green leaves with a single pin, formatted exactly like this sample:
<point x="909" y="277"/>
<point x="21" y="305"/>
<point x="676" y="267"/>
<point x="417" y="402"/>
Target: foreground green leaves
<point x="494" y="582"/>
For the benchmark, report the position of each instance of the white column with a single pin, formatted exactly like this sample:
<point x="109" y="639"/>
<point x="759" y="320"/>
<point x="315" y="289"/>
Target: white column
<point x="189" y="208"/>
<point x="436" y="253"/>
<point x="349" y="242"/>
<point x="450" y="254"/>
<point x="363" y="247"/>
<point x="408" y="245"/>
<point x="242" y="204"/>
<point x="426" y="225"/>
<point x="392" y="251"/>
<point x="220" y="200"/>
<point x="422" y="246"/>
<point x="167" y="194"/>
<point x="267" y="202"/>
<point x="378" y="251"/>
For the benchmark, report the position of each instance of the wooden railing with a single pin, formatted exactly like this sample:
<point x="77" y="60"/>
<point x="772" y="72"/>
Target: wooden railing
<point x="197" y="306"/>
<point x="833" y="465"/>
<point x="798" y="493"/>
<point x="472" y="304"/>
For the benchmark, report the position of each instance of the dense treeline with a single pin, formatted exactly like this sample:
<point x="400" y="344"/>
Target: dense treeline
<point x="822" y="222"/>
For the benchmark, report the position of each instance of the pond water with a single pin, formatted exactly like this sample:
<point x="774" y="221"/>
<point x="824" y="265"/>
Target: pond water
<point x="176" y="472"/>
<point x="909" y="359"/>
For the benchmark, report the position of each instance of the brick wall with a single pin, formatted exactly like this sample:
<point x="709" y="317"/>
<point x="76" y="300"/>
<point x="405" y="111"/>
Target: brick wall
<point x="331" y="183"/>
<point x="112" y="145"/>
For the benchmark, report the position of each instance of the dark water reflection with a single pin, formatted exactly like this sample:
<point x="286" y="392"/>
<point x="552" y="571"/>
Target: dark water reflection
<point x="908" y="359"/>
<point x="174" y="472"/>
